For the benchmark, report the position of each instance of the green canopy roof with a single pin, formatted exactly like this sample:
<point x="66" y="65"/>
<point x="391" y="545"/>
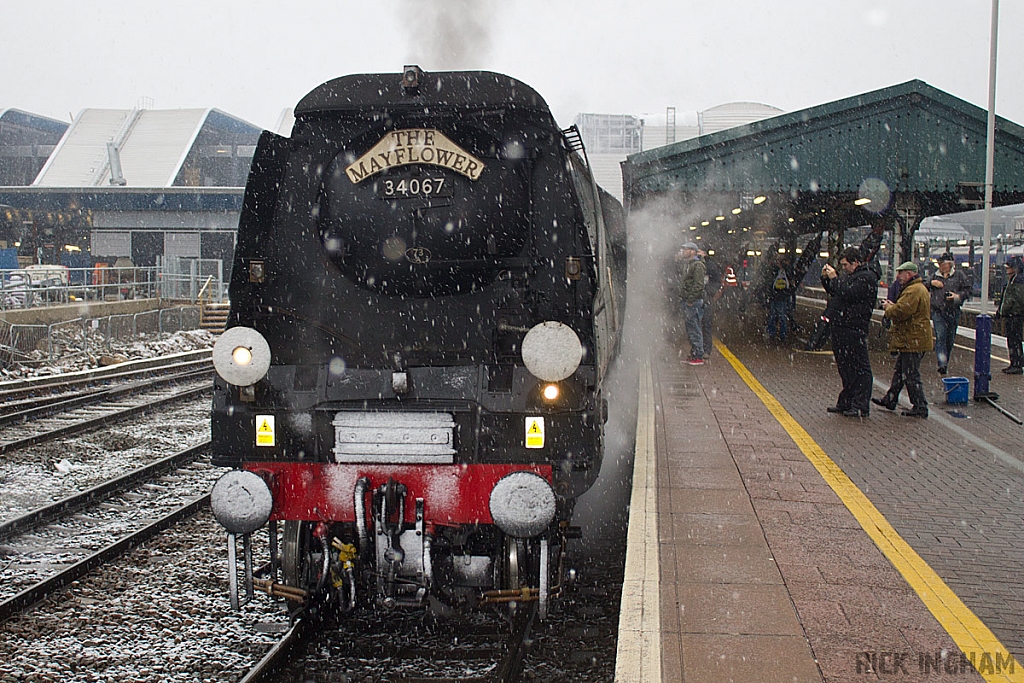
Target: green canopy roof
<point x="913" y="137"/>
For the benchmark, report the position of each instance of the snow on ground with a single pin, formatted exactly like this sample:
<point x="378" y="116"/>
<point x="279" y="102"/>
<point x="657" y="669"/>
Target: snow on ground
<point x="75" y="351"/>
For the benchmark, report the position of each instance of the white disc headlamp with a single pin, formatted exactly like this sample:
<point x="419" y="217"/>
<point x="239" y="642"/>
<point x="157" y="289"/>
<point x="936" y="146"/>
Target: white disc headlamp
<point x="241" y="356"/>
<point x="241" y="501"/>
<point x="522" y="504"/>
<point x="552" y="351"/>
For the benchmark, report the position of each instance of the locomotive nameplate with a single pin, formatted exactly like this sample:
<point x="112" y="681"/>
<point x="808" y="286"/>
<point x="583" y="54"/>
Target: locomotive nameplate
<point x="414" y="146"/>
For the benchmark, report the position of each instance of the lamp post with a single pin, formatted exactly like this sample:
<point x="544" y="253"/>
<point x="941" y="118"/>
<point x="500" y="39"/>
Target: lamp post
<point x="983" y="325"/>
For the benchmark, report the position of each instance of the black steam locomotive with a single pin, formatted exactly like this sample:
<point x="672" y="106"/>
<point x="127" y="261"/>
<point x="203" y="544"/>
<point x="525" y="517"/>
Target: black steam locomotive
<point x="425" y="298"/>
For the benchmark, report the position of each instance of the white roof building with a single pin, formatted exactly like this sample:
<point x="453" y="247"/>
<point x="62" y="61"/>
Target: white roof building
<point x="151" y="148"/>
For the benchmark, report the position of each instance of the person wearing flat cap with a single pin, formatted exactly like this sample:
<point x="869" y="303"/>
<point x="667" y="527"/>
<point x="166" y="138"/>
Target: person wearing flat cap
<point x="910" y="337"/>
<point x="950" y="287"/>
<point x="690" y="282"/>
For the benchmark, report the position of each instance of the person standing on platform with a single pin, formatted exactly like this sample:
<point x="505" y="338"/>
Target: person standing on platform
<point x="950" y="287"/>
<point x="853" y="299"/>
<point x="1011" y="310"/>
<point x="910" y="337"/>
<point x="712" y="293"/>
<point x="780" y="297"/>
<point x="691" y="281"/>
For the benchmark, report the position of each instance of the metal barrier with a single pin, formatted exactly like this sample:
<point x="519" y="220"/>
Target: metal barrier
<point x="32" y="344"/>
<point x="181" y="279"/>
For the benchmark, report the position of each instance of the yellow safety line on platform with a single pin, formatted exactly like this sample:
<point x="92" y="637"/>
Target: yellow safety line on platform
<point x="638" y="653"/>
<point x="967" y="630"/>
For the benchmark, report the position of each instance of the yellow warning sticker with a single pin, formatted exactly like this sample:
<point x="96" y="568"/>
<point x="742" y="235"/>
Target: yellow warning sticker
<point x="264" y="430"/>
<point x="535" y="432"/>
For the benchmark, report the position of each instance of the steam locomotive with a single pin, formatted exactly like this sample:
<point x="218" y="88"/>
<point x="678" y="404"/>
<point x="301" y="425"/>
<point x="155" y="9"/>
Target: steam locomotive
<point x="425" y="299"/>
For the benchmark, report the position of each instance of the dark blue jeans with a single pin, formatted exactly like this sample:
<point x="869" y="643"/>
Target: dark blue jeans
<point x="778" y="318"/>
<point x="693" y="317"/>
<point x="945" y="334"/>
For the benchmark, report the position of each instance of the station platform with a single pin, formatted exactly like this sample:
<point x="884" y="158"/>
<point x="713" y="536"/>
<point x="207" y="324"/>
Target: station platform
<point x="772" y="541"/>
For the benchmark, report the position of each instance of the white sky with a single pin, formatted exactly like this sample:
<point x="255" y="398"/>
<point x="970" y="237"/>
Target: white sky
<point x="254" y="58"/>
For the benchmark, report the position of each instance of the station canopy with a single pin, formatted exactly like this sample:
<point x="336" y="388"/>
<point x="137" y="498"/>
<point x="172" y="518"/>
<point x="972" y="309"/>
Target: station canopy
<point x="890" y="157"/>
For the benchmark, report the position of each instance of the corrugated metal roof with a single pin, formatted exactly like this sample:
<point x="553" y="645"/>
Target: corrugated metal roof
<point x="81" y="155"/>
<point x="152" y="145"/>
<point x="156" y="145"/>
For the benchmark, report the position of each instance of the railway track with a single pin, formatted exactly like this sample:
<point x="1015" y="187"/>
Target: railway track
<point x="14" y="390"/>
<point x="80" y="418"/>
<point x="35" y="407"/>
<point x="47" y="549"/>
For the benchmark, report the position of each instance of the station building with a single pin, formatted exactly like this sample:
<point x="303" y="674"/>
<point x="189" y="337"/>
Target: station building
<point x="140" y="184"/>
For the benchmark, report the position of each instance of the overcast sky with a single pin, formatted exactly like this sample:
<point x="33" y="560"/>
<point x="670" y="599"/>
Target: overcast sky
<point x="254" y="58"/>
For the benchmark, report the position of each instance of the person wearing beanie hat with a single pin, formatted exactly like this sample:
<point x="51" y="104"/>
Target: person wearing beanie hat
<point x="1011" y="311"/>
<point x="910" y="337"/>
<point x="949" y="288"/>
<point x="690" y="290"/>
<point x="853" y="295"/>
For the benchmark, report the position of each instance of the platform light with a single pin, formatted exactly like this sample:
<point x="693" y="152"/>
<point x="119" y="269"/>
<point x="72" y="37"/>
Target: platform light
<point x="792" y="220"/>
<point x="746" y="229"/>
<point x="823" y="210"/>
<point x="759" y="198"/>
<point x="757" y="253"/>
<point x="799" y="250"/>
<point x="693" y="227"/>
<point x="961" y="243"/>
<point x="697" y="237"/>
<point x="750" y="252"/>
<point x="705" y="223"/>
<point x="860" y="202"/>
<point x="782" y="250"/>
<point x="823" y="254"/>
<point x="711" y="252"/>
<point x="737" y="211"/>
<point x="719" y="218"/>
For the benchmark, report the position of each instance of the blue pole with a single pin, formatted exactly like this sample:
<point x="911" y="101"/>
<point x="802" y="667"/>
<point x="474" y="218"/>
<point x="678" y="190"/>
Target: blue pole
<point x="982" y="355"/>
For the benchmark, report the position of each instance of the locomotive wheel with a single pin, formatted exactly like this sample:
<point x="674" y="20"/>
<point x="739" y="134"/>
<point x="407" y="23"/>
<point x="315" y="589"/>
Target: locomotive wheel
<point x="513" y="556"/>
<point x="297" y="567"/>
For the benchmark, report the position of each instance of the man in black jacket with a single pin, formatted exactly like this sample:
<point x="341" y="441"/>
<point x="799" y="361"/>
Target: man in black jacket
<point x="950" y="287"/>
<point x="854" y="294"/>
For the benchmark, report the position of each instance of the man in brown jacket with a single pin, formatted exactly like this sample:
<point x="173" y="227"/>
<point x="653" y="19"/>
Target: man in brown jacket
<point x="910" y="337"/>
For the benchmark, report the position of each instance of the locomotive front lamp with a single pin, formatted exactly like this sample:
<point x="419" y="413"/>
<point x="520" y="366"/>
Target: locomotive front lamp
<point x="552" y="351"/>
<point x="241" y="356"/>
<point x="550" y="392"/>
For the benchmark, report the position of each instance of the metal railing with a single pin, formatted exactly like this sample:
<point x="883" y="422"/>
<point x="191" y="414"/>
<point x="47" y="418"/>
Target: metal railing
<point x="22" y="344"/>
<point x="22" y="288"/>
